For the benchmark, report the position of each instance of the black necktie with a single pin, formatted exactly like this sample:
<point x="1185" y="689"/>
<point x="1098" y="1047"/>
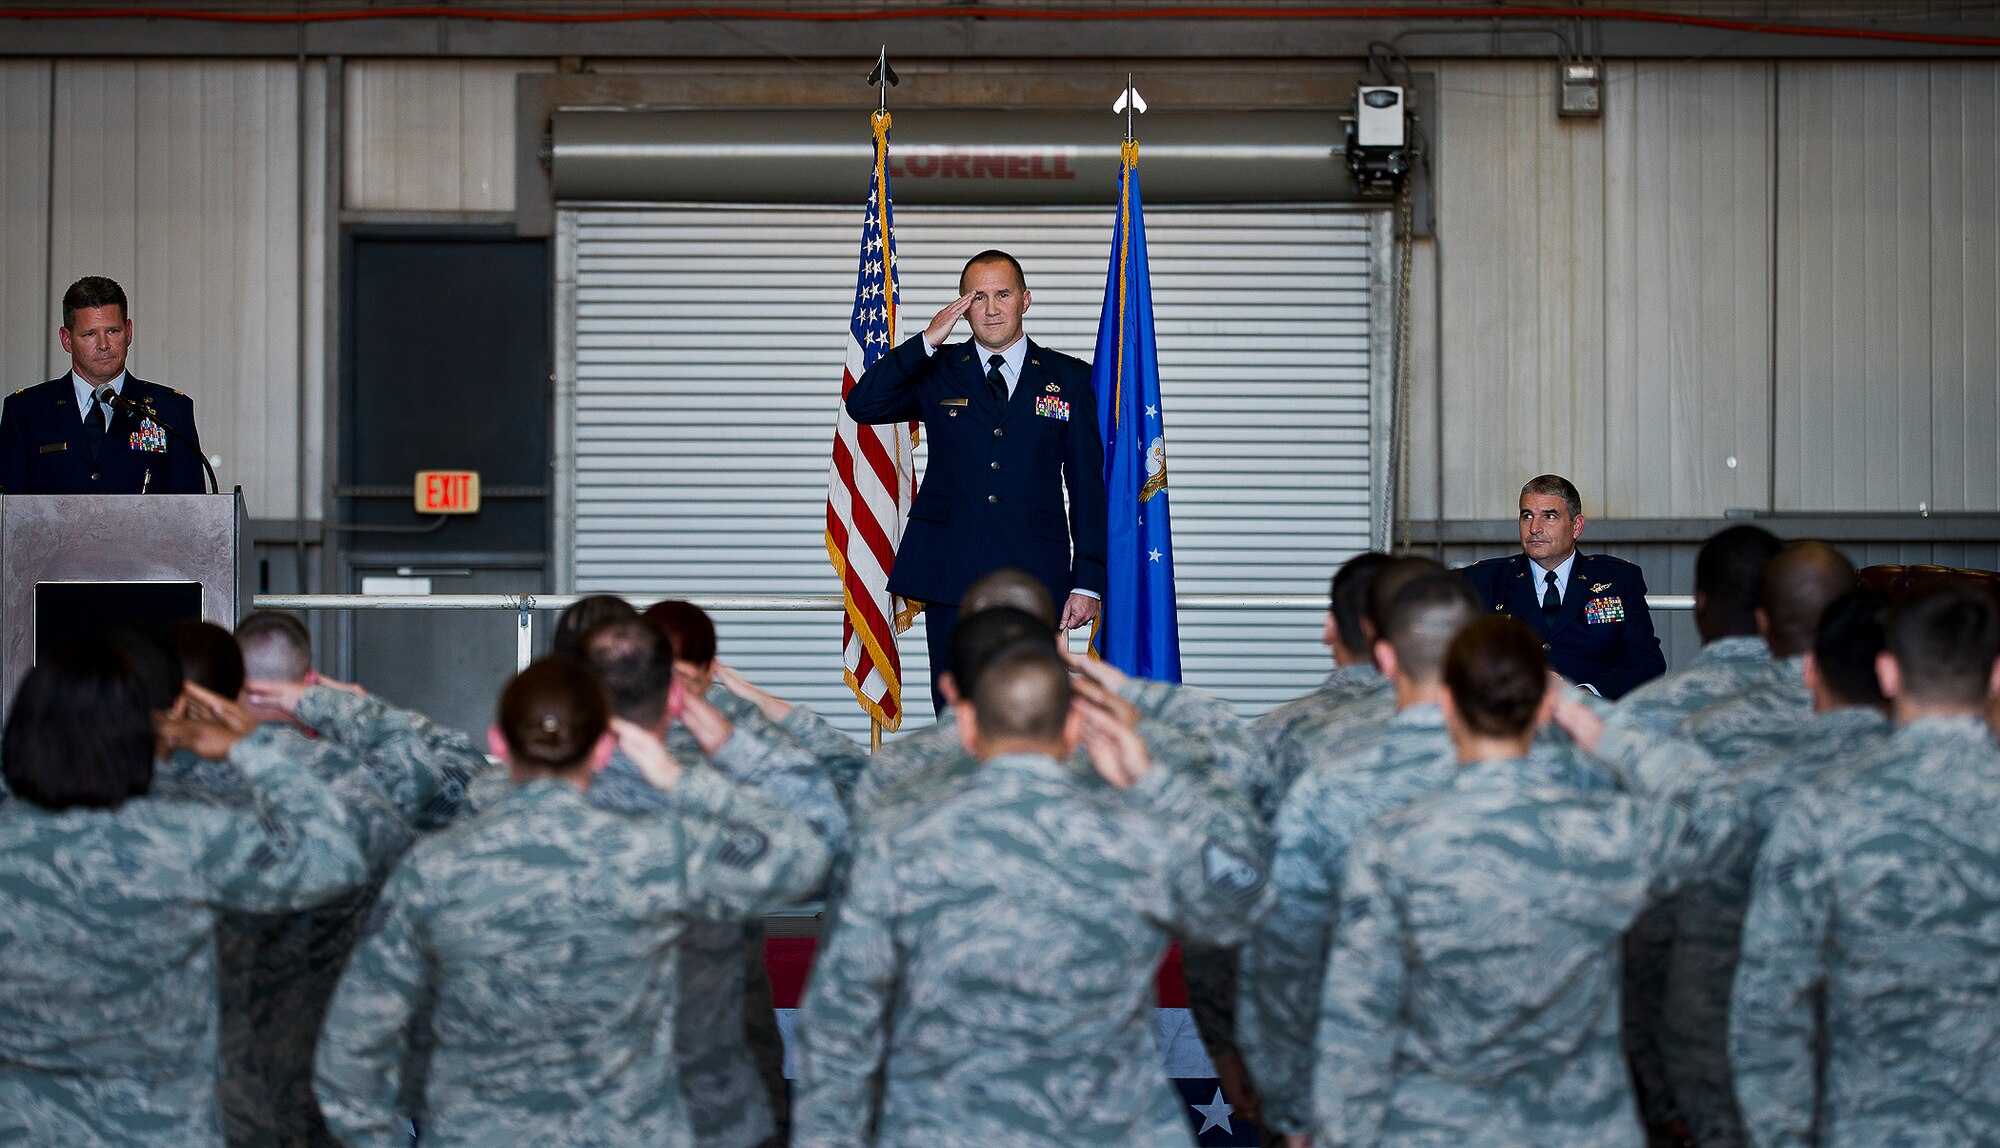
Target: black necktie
<point x="94" y="428"/>
<point x="1551" y="601"/>
<point x="995" y="381"/>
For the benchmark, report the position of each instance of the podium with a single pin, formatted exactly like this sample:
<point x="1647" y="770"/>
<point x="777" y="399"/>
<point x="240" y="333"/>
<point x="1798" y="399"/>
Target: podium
<point x="77" y="564"/>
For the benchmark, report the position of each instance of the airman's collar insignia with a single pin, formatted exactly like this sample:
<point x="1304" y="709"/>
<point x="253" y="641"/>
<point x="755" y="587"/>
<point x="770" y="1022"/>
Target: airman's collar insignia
<point x="1599" y="587"/>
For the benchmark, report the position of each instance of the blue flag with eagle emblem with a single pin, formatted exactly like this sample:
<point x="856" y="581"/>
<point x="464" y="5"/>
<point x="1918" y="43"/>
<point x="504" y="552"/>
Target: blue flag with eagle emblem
<point x="1138" y="631"/>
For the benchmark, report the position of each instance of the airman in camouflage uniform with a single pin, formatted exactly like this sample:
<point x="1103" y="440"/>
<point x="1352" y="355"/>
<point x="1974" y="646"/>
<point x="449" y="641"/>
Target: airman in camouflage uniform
<point x="1345" y="789"/>
<point x="108" y="1014"/>
<point x="546" y="928"/>
<point x="1471" y="997"/>
<point x="989" y="977"/>
<point x="1867" y="1004"/>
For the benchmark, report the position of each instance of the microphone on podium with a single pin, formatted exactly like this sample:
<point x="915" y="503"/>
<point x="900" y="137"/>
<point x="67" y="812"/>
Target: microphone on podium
<point x="115" y="401"/>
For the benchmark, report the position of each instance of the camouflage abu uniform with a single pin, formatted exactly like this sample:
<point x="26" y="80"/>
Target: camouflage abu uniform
<point x="989" y="980"/>
<point x="1285" y="959"/>
<point x="1472" y="993"/>
<point x="396" y="773"/>
<point x="107" y="953"/>
<point x="1766" y="715"/>
<point x="1709" y="936"/>
<point x="1722" y="669"/>
<point x="1336" y="726"/>
<point x="1876" y="906"/>
<point x="1342" y="686"/>
<point x="719" y="1048"/>
<point x="546" y="928"/>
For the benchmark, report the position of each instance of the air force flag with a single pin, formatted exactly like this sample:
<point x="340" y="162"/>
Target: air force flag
<point x="1137" y="632"/>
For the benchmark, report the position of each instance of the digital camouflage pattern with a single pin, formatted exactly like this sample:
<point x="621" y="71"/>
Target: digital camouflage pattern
<point x="989" y="979"/>
<point x="1709" y="932"/>
<point x="108" y="1010"/>
<point x="1336" y="718"/>
<point x="723" y="1054"/>
<point x="1721" y="669"/>
<point x="546" y="930"/>
<point x="1866" y="1012"/>
<point x="394" y="771"/>
<point x="1472" y="993"/>
<point x="1767" y="715"/>
<point x="1285" y="959"/>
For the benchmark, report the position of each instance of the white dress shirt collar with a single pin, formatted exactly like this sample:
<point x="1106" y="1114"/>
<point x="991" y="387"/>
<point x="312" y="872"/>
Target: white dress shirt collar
<point x="85" y="395"/>
<point x="1015" y="354"/>
<point x="1562" y="577"/>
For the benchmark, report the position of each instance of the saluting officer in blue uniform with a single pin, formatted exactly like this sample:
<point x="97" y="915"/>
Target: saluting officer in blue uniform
<point x="1590" y="609"/>
<point x="1011" y="425"/>
<point x="57" y="438"/>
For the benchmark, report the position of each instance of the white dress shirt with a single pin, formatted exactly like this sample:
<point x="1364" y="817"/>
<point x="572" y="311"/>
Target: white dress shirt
<point x="1562" y="577"/>
<point x="87" y="394"/>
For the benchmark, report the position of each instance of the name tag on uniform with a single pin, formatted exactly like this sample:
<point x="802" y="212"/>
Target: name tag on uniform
<point x="54" y="447"/>
<point x="955" y="402"/>
<point x="150" y="437"/>
<point x="1051" y="407"/>
<point x="1599" y="610"/>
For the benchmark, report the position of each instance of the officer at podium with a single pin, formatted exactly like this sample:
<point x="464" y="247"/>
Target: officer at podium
<point x="72" y="436"/>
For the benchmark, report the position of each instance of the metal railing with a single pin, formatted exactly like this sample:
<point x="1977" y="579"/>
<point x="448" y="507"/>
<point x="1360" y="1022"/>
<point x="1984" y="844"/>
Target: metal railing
<point x="524" y="606"/>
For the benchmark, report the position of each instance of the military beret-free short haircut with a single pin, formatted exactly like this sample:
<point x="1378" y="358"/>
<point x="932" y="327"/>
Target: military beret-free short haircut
<point x="582" y="615"/>
<point x="276" y="647"/>
<point x="1727" y="572"/>
<point x="978" y="638"/>
<point x="1008" y="586"/>
<point x="1797" y="585"/>
<point x="92" y="291"/>
<point x="1851" y="635"/>
<point x="159" y="668"/>
<point x="1024" y="692"/>
<point x="688" y="627"/>
<point x="209" y="656"/>
<point x="636" y="664"/>
<point x="1347" y="595"/>
<point x="1945" y="637"/>
<point x="1426" y="615"/>
<point x="1389" y="581"/>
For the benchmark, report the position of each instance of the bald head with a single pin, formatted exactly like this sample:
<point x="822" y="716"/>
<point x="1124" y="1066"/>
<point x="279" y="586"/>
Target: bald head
<point x="1799" y="583"/>
<point x="1009" y="587"/>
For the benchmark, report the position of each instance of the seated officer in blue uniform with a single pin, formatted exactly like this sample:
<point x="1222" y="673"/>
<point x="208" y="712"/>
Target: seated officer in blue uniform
<point x="1011" y="426"/>
<point x="1590" y="609"/>
<point x="56" y="438"/>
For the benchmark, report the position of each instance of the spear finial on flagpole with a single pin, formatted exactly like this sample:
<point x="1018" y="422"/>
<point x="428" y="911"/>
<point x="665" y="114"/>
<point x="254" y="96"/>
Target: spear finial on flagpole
<point x="883" y="77"/>
<point x="1128" y="103"/>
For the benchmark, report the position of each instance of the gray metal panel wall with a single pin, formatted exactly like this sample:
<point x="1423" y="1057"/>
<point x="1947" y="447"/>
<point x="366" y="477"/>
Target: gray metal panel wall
<point x="179" y="179"/>
<point x="1604" y="307"/>
<point x="708" y="348"/>
<point x="1888" y="324"/>
<point x="431" y="135"/>
<point x="25" y="310"/>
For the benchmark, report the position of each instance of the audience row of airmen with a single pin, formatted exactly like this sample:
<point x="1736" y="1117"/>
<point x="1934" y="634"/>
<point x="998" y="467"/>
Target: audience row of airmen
<point x="1445" y="899"/>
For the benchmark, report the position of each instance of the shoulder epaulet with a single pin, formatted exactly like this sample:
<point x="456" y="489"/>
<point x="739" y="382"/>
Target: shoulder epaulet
<point x="1600" y="559"/>
<point x="1500" y="561"/>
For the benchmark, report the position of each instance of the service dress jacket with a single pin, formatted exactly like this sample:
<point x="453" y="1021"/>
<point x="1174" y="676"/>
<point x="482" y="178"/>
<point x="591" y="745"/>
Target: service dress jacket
<point x="43" y="449"/>
<point x="1603" y="635"/>
<point x="992" y="494"/>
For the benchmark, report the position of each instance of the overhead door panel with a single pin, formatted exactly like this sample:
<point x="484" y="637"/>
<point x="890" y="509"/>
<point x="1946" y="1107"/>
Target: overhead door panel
<point x="708" y="355"/>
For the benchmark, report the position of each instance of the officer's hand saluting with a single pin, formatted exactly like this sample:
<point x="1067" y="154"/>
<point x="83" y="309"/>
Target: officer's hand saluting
<point x="940" y="328"/>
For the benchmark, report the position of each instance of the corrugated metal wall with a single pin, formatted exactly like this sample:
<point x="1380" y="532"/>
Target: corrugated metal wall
<point x="1628" y="301"/>
<point x="180" y="180"/>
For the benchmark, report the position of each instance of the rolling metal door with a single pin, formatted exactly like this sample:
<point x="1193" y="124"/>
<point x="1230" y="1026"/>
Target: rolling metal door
<point x="707" y="353"/>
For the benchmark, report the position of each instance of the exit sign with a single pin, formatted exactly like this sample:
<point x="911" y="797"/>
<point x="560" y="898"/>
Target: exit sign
<point x="447" y="492"/>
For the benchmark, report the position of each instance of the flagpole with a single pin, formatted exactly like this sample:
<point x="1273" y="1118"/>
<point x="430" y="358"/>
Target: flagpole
<point x="882" y="78"/>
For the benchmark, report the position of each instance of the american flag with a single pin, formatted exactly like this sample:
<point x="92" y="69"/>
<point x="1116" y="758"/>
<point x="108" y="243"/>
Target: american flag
<point x="873" y="476"/>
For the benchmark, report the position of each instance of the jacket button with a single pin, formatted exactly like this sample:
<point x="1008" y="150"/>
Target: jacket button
<point x="997" y="432"/>
<point x="992" y="498"/>
<point x="1546" y="648"/>
<point x="995" y="464"/>
<point x="94" y="477"/>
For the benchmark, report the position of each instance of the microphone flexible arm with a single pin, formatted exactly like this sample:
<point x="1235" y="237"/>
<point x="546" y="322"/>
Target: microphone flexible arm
<point x="104" y="394"/>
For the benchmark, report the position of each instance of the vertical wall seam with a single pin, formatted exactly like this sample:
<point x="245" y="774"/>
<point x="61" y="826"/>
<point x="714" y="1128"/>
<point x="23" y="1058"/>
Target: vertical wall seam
<point x="1773" y="138"/>
<point x="49" y="298"/>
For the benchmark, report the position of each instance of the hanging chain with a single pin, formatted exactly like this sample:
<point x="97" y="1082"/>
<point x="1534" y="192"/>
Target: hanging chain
<point x="1400" y="378"/>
